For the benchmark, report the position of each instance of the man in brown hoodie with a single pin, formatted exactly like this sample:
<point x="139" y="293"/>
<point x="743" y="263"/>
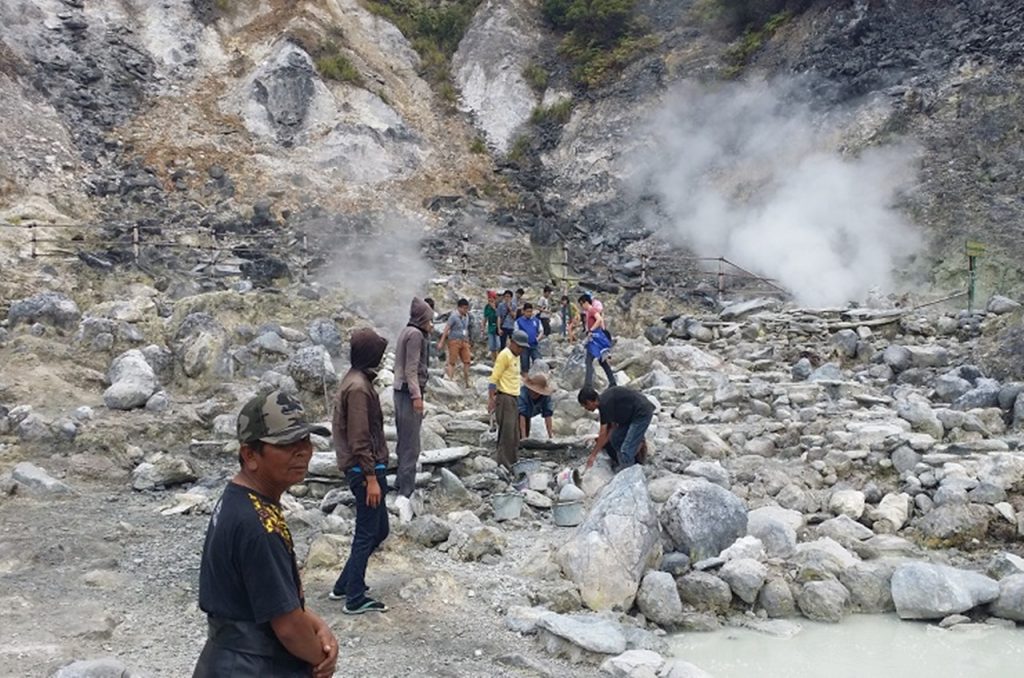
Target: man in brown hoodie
<point x="358" y="434"/>
<point x="410" y="384"/>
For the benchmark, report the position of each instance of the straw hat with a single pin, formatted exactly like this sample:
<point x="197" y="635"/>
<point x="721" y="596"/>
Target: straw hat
<point x="538" y="383"/>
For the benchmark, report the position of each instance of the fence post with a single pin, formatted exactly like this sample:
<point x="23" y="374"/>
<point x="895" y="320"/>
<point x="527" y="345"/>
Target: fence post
<point x="32" y="232"/>
<point x="135" y="243"/>
<point x="305" y="257"/>
<point x="565" y="267"/>
<point x="721" y="277"/>
<point x="643" y="273"/>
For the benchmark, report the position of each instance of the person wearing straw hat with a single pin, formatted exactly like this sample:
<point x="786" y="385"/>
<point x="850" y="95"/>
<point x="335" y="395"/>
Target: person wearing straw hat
<point x="503" y="392"/>
<point x="534" y="399"/>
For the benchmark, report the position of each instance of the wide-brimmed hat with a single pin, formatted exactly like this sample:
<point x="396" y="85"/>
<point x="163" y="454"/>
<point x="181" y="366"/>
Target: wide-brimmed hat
<point x="538" y="382"/>
<point x="521" y="338"/>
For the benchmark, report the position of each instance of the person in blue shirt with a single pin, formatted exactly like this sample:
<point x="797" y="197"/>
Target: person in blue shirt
<point x="506" y="318"/>
<point x="534" y="399"/>
<point x="535" y="331"/>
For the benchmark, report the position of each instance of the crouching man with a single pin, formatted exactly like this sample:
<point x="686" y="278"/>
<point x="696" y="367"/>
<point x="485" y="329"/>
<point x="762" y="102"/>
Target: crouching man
<point x="249" y="582"/>
<point x="625" y="415"/>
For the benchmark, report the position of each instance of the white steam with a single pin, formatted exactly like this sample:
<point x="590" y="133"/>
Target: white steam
<point x="748" y="173"/>
<point x="378" y="261"/>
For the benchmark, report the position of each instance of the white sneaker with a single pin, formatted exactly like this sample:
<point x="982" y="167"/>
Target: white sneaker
<point x="404" y="507"/>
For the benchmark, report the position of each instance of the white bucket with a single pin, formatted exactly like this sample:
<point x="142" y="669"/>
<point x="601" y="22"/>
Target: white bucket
<point x="568" y="514"/>
<point x="566" y="476"/>
<point x="507" y="505"/>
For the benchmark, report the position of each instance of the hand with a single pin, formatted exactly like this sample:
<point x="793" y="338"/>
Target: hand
<point x="500" y="333"/>
<point x="372" y="491"/>
<point x="329" y="643"/>
<point x="492" y="403"/>
<point x="417" y="405"/>
<point x="590" y="461"/>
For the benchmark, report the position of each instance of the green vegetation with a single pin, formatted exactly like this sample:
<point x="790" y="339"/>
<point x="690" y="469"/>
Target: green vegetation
<point x="478" y="146"/>
<point x="434" y="28"/>
<point x="536" y="77"/>
<point x="339" y="68"/>
<point x="520" y="148"/>
<point x="602" y="36"/>
<point x="752" y="40"/>
<point x="736" y="17"/>
<point x="558" y="114"/>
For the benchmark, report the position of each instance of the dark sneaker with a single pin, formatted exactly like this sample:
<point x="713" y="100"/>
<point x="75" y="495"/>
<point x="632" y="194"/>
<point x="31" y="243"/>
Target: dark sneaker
<point x="365" y="605"/>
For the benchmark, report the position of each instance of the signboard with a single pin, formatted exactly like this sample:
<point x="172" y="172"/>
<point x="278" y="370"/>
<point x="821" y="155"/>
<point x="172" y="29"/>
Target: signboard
<point x="975" y="248"/>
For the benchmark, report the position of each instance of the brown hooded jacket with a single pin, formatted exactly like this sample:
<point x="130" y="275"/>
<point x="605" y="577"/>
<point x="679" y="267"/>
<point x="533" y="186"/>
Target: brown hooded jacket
<point x="358" y="423"/>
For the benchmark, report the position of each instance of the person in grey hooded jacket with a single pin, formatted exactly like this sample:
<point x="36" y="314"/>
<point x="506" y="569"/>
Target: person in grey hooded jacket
<point x="410" y="385"/>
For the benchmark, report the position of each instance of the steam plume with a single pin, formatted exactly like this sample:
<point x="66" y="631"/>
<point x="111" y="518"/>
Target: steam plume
<point x="750" y="173"/>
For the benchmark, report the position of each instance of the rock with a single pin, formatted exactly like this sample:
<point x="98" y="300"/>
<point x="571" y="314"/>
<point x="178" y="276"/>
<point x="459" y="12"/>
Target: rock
<point x="199" y="346"/>
<point x="744" y="547"/>
<point x="271" y="343"/>
<point x="311" y="368"/>
<point x="897" y="357"/>
<point x="633" y="664"/>
<point x="827" y="372"/>
<point x="745" y="576"/>
<point x="428" y="530"/>
<point x="823" y="557"/>
<point x="776" y="599"/>
<point x="473" y="544"/>
<point x="1010" y="603"/>
<point x="777" y="536"/>
<point x="323" y="332"/>
<point x="326" y="553"/>
<point x="984" y="394"/>
<point x="869" y="584"/>
<point x="106" y="667"/>
<point x="453" y="488"/>
<point x="1003" y="565"/>
<point x="619" y="539"/>
<point x="953" y="524"/>
<point x="845" y="342"/>
<point x="893" y="509"/>
<point x="703" y="519"/>
<point x="1000" y="305"/>
<point x="34" y="480"/>
<point x="823" y="600"/>
<point x="658" y="598"/>
<point x="927" y="591"/>
<point x="444" y="455"/>
<point x="32" y="427"/>
<point x="705" y="591"/>
<point x="928" y="356"/>
<point x="950" y="386"/>
<point x="905" y="459"/>
<point x="163" y="470"/>
<point x="844" y="530"/>
<point x="676" y="564"/>
<point x="50" y="307"/>
<point x="801" y="370"/>
<point x="132" y="381"/>
<point x="591" y="634"/>
<point x="847" y="503"/>
<point x="657" y="334"/>
<point x="918" y="411"/>
<point x="324" y="464"/>
<point x="709" y="470"/>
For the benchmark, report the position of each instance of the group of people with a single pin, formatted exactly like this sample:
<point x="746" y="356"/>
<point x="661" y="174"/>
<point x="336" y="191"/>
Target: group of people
<point x="249" y="579"/>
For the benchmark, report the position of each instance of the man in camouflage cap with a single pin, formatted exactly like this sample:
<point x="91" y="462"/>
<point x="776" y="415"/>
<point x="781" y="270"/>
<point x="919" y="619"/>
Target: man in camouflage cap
<point x="249" y="583"/>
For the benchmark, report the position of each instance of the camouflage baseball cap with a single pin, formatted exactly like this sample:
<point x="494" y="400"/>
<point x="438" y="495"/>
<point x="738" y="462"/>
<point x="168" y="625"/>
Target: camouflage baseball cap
<point x="276" y="418"/>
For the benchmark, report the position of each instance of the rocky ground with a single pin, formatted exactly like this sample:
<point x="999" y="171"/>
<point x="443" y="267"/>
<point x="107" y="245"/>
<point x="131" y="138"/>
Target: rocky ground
<point x="804" y="462"/>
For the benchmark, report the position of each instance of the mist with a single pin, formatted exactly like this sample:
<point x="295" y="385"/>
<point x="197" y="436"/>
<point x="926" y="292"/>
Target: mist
<point x="376" y="259"/>
<point x="751" y="173"/>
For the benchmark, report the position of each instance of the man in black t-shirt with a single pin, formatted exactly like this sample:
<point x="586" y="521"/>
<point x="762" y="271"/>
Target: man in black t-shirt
<point x="625" y="415"/>
<point x="249" y="583"/>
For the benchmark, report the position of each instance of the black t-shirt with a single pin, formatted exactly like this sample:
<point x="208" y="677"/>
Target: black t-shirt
<point x="621" y="405"/>
<point x="248" y="572"/>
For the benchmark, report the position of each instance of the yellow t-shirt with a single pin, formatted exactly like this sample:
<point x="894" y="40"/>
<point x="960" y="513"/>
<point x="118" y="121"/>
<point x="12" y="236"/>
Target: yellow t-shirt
<point x="505" y="374"/>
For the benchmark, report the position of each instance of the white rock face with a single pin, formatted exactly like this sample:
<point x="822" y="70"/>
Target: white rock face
<point x="607" y="556"/>
<point x="488" y="68"/>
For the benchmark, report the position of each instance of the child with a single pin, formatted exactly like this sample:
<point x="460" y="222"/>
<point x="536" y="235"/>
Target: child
<point x="534" y="332"/>
<point x="568" y="318"/>
<point x="490" y="324"/>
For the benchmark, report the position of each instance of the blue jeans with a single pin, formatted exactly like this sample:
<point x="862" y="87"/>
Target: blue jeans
<point x="588" y="379"/>
<point x="371" y="529"/>
<point x="625" y="441"/>
<point x="528" y="356"/>
<point x="493" y="342"/>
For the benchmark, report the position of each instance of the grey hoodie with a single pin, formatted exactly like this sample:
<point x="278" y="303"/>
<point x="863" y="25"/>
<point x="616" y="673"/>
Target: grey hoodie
<point x="411" y="351"/>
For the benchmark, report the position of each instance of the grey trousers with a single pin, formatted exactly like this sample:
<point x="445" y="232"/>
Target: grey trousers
<point x="506" y="412"/>
<point x="408" y="422"/>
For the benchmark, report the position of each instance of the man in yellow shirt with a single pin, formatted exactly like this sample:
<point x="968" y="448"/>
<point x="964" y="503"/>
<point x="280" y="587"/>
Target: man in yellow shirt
<point x="503" y="394"/>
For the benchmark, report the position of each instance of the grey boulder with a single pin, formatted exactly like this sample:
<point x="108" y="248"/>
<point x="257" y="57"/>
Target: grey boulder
<point x="312" y="369"/>
<point x="703" y="519"/>
<point x="745" y="576"/>
<point x="825" y="600"/>
<point x="35" y="480"/>
<point x="50" y="307"/>
<point x="658" y="598"/>
<point x="1010" y="603"/>
<point x="927" y="591"/>
<point x="132" y="381"/>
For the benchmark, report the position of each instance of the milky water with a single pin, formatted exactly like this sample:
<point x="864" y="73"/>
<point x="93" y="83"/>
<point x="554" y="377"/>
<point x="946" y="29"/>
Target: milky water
<point x="861" y="646"/>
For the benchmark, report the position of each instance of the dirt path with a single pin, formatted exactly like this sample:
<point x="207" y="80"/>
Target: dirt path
<point x="104" y="573"/>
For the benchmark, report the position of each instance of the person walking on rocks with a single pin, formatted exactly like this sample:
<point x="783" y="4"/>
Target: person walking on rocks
<point x="530" y="324"/>
<point x="490" y="324"/>
<point x="456" y="332"/>
<point x="362" y="452"/>
<point x="544" y="310"/>
<point x="502" y="397"/>
<point x="568" y="314"/>
<point x="599" y="342"/>
<point x="534" y="399"/>
<point x="410" y="385"/>
<point x="625" y="415"/>
<point x="249" y="584"/>
<point x="506" y="317"/>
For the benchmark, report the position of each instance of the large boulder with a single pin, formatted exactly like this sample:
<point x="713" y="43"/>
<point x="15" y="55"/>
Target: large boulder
<point x="591" y="635"/>
<point x="703" y="519"/>
<point x="745" y="576"/>
<point x="132" y="381"/>
<point x="825" y="600"/>
<point x="312" y="369"/>
<point x="199" y="345"/>
<point x="870" y="585"/>
<point x="47" y="307"/>
<point x="953" y="524"/>
<point x="918" y="411"/>
<point x="34" y="480"/>
<point x="163" y="470"/>
<point x="106" y="667"/>
<point x="658" y="598"/>
<point x="323" y="332"/>
<point x="705" y="591"/>
<point x="1010" y="603"/>
<point x="927" y="591"/>
<point x="607" y="555"/>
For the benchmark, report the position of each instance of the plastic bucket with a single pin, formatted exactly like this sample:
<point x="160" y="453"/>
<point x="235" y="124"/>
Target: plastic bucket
<point x="507" y="505"/>
<point x="568" y="514"/>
